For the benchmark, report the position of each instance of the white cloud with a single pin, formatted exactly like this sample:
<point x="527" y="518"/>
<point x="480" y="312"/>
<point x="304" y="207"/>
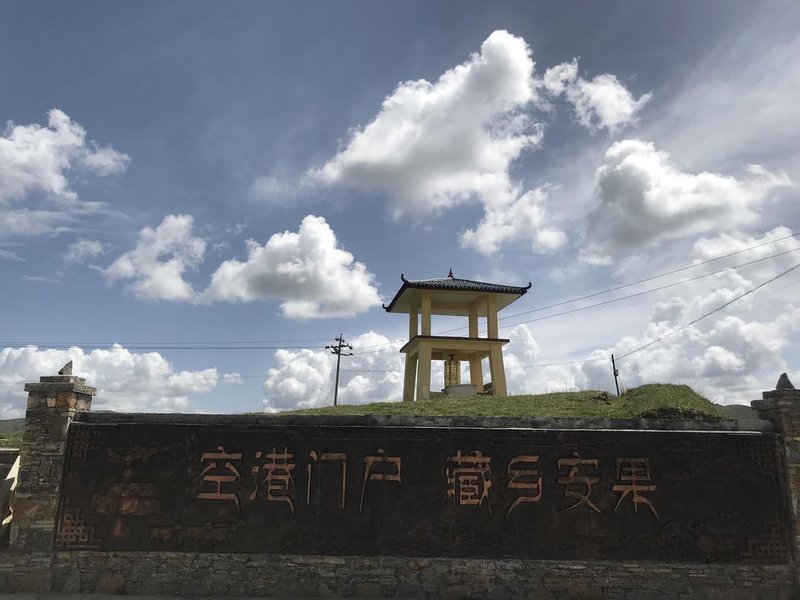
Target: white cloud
<point x="729" y="360"/>
<point x="40" y="159"/>
<point x="83" y="250"/>
<point x="125" y="380"/>
<point x="280" y="191"/>
<point x="307" y="271"/>
<point x="521" y="219"/>
<point x="10" y="255"/>
<point x="437" y="145"/>
<point x="645" y="198"/>
<point x="602" y="103"/>
<point x="305" y="378"/>
<point x="729" y="355"/>
<point x="105" y="161"/>
<point x="158" y="261"/>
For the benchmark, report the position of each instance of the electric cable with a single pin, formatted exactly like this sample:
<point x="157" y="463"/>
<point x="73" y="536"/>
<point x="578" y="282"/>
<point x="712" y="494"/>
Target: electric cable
<point x="708" y="314"/>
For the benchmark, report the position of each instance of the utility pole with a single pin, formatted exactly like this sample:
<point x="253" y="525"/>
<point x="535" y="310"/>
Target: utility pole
<point x="337" y="350"/>
<point x="616" y="373"/>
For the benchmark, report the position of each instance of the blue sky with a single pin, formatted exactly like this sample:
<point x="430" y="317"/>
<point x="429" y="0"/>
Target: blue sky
<point x="257" y="176"/>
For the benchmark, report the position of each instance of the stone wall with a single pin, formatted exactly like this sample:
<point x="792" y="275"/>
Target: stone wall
<point x="203" y="574"/>
<point x="33" y="565"/>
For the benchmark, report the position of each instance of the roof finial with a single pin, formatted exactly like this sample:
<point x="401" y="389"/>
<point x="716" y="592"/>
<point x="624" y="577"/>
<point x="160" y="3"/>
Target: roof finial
<point x="450" y="274"/>
<point x="784" y="383"/>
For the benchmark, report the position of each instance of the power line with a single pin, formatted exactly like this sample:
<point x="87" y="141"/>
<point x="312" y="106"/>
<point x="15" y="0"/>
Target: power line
<point x="630" y="284"/>
<point x="65" y="346"/>
<point x="154" y="344"/>
<point x="711" y="312"/>
<point x="643" y="292"/>
<point x="652" y="277"/>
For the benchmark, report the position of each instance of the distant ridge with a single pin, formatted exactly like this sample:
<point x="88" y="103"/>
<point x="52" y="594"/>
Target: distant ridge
<point x="11" y="425"/>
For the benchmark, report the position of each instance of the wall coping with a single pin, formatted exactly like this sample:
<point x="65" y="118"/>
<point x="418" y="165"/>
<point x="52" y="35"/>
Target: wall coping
<point x="719" y="425"/>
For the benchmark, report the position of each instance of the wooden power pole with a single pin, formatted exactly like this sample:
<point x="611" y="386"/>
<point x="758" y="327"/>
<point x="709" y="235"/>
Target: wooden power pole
<point x="616" y="373"/>
<point x="337" y="350"/>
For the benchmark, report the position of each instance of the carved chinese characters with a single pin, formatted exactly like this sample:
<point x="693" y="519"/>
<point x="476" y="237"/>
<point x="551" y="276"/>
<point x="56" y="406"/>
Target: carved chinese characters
<point x="427" y="491"/>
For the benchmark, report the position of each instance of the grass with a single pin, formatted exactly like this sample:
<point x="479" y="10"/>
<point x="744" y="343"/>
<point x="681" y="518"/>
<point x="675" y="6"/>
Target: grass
<point x="11" y="432"/>
<point x="10" y="440"/>
<point x="647" y="401"/>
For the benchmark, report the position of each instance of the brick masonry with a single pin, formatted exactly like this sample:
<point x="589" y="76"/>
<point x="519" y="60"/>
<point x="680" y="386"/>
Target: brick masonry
<point x="190" y="574"/>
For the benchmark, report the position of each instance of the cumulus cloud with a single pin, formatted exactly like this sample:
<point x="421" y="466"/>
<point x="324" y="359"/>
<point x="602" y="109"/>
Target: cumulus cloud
<point x="125" y="380"/>
<point x="159" y="260"/>
<point x="40" y="159"/>
<point x="83" y="250"/>
<point x="729" y="355"/>
<point x="644" y="198"/>
<point x="305" y="378"/>
<point x="602" y="103"/>
<point x="522" y="219"/>
<point x="729" y="360"/>
<point x="437" y="145"/>
<point x="525" y="374"/>
<point x="307" y="271"/>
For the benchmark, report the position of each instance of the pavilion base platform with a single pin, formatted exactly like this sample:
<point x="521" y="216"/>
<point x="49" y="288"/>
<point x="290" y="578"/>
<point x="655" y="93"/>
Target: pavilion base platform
<point x="422" y="349"/>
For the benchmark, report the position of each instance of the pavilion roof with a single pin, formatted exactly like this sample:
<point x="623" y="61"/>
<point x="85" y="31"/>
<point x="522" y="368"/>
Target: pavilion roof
<point x="454" y="284"/>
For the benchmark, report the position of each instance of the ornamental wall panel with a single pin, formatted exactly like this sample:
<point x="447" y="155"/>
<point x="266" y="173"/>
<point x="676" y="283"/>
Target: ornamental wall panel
<point x="669" y="496"/>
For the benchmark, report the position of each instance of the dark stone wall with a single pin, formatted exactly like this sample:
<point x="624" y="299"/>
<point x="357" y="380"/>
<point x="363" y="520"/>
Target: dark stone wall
<point x="702" y="513"/>
<point x="260" y="575"/>
<point x="681" y="496"/>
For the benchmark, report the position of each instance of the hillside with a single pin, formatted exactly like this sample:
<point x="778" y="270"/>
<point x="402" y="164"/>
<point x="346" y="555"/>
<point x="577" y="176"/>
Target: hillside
<point x="11" y="432"/>
<point x="647" y="401"/>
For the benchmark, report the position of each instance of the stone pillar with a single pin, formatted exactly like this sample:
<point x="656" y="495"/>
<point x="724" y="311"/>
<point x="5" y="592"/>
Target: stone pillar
<point x="782" y="407"/>
<point x="52" y="404"/>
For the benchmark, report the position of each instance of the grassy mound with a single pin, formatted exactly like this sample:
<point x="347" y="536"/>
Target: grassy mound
<point x="647" y="401"/>
<point x="10" y="440"/>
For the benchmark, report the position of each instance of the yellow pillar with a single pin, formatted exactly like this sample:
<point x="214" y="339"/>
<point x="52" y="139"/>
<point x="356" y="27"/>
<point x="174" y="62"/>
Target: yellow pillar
<point x="425" y="297"/>
<point x="476" y="373"/>
<point x="473" y="321"/>
<point x="410" y="378"/>
<point x="413" y="324"/>
<point x="424" y="371"/>
<point x="497" y="371"/>
<point x="491" y="317"/>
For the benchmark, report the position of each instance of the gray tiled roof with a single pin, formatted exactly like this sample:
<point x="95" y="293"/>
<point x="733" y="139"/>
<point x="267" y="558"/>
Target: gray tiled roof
<point x="466" y="285"/>
<point x="454" y="284"/>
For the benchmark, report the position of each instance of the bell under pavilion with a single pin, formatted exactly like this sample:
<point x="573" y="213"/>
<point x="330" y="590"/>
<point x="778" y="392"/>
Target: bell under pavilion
<point x="452" y="297"/>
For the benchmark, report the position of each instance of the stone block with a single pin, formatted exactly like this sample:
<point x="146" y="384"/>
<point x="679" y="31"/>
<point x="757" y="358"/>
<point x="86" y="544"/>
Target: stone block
<point x="110" y="583"/>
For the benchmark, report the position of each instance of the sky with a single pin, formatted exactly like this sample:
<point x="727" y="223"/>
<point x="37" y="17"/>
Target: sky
<point x="197" y="197"/>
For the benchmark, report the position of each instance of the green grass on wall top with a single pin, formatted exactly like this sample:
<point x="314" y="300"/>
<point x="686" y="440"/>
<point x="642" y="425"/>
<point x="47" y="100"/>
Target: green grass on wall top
<point x="647" y="401"/>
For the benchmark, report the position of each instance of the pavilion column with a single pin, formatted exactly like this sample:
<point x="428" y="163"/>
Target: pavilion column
<point x="475" y="365"/>
<point x="425" y="305"/>
<point x="476" y="373"/>
<point x="497" y="371"/>
<point x="491" y="317"/>
<point x="413" y="323"/>
<point x="424" y="371"/>
<point x="472" y="314"/>
<point x="410" y="379"/>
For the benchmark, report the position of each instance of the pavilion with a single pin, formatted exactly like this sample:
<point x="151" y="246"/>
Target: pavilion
<point x="453" y="297"/>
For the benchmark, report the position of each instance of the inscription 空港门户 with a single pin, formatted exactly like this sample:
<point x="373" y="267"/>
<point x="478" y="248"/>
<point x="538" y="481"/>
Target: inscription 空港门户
<point x="431" y="492"/>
